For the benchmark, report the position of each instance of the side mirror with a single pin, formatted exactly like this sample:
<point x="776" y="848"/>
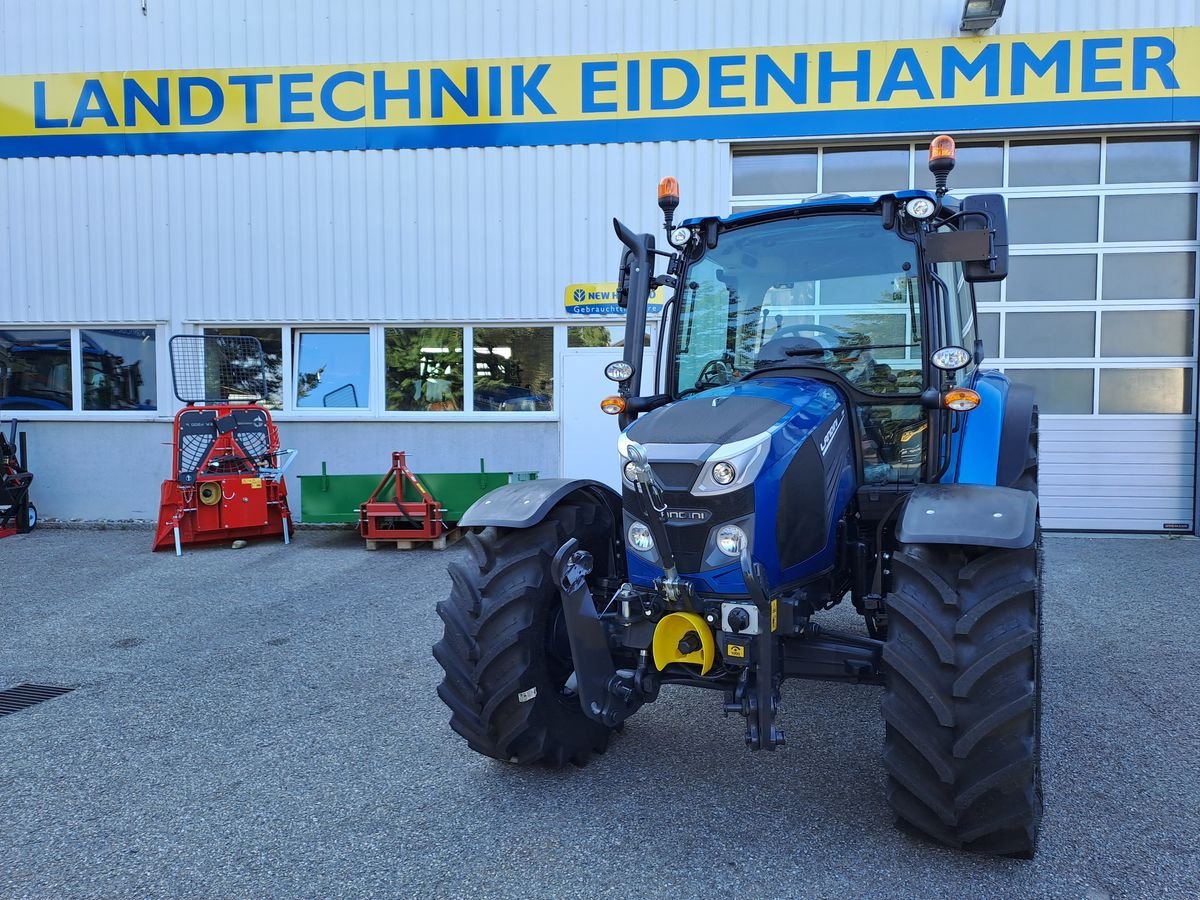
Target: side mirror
<point x="980" y="243"/>
<point x="978" y="212"/>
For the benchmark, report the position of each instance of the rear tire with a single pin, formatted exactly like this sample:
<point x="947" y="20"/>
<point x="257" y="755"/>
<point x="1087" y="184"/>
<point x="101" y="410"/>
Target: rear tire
<point x="963" y="696"/>
<point x="504" y="648"/>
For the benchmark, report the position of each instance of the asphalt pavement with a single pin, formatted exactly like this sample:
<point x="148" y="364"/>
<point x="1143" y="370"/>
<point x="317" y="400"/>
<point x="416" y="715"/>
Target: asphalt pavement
<point x="263" y="722"/>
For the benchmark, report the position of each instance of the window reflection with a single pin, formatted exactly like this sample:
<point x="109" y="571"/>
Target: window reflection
<point x="272" y="345"/>
<point x="35" y="369"/>
<point x="333" y="369"/>
<point x="424" y="369"/>
<point x="514" y="369"/>
<point x="119" y="368"/>
<point x="599" y="336"/>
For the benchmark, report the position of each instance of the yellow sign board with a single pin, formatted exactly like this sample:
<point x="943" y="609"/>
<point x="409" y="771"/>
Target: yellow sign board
<point x="600" y="299"/>
<point x="990" y="82"/>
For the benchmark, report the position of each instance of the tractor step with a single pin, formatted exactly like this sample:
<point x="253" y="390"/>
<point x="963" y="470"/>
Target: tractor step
<point x="441" y="542"/>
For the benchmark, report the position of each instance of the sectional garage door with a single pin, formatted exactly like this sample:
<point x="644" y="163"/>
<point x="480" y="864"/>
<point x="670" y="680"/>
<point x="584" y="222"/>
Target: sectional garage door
<point x="1099" y="312"/>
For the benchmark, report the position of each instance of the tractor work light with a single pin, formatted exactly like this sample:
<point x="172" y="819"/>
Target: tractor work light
<point x="950" y="359"/>
<point x="640" y="537"/>
<point x="613" y="405"/>
<point x="680" y="236"/>
<point x="920" y="207"/>
<point x="980" y="15"/>
<point x="960" y="399"/>
<point x="618" y="371"/>
<point x="731" y="540"/>
<point x="724" y="473"/>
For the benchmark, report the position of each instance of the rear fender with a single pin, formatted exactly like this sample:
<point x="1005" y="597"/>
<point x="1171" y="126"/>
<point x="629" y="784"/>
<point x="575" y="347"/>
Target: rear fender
<point x="969" y="514"/>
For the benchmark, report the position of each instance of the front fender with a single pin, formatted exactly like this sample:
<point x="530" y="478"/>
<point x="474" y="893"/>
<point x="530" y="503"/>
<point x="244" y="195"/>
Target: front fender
<point x="523" y="504"/>
<point x="970" y="514"/>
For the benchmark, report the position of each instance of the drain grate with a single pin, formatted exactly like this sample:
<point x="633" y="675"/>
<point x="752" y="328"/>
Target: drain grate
<point x="23" y="696"/>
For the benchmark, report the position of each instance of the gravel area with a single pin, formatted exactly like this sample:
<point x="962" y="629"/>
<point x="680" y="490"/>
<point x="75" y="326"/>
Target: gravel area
<point x="263" y="722"/>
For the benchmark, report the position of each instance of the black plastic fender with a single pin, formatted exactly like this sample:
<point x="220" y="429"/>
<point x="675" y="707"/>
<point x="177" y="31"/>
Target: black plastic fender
<point x="971" y="514"/>
<point x="523" y="504"/>
<point x="1013" y="455"/>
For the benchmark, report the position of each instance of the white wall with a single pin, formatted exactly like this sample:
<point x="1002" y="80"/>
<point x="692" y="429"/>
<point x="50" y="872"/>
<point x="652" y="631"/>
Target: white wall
<point x="103" y="470"/>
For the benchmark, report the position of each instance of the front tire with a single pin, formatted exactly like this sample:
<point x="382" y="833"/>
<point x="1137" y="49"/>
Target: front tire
<point x="504" y="647"/>
<point x="963" y="696"/>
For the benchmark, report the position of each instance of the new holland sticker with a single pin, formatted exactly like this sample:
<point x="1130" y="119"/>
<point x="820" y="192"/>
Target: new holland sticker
<point x="601" y="300"/>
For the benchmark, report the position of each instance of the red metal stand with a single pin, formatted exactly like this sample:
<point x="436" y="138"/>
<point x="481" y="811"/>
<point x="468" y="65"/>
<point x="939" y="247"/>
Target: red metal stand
<point x="388" y="516"/>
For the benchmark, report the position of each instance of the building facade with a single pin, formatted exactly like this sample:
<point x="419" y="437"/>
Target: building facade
<point x="410" y="206"/>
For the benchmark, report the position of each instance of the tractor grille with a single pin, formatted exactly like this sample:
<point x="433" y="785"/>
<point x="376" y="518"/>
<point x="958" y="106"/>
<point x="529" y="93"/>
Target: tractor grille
<point x="23" y="696"/>
<point x="676" y="476"/>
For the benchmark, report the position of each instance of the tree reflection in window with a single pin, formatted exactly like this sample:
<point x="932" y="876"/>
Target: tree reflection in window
<point x="272" y="345"/>
<point x="514" y="369"/>
<point x="424" y="369"/>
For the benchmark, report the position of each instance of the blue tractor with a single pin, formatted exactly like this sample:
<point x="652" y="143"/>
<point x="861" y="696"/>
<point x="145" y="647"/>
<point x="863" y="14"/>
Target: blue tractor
<point x="819" y="430"/>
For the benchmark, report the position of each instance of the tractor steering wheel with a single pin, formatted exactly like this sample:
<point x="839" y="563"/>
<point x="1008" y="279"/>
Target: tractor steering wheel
<point x="715" y="373"/>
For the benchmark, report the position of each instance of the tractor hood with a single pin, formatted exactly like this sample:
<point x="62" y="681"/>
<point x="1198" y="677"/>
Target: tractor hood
<point x="693" y="429"/>
<point x="786" y="441"/>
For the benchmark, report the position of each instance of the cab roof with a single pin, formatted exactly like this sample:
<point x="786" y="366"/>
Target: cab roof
<point x="819" y="203"/>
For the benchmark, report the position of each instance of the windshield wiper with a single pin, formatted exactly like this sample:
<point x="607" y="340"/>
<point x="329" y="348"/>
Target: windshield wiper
<point x="814" y="351"/>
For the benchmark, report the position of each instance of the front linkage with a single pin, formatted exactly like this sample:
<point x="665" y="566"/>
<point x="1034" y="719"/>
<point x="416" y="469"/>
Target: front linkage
<point x="760" y="641"/>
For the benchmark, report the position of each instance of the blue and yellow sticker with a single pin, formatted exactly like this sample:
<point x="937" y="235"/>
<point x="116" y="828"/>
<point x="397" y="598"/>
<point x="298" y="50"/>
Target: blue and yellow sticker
<point x="947" y="84"/>
<point x="600" y="299"/>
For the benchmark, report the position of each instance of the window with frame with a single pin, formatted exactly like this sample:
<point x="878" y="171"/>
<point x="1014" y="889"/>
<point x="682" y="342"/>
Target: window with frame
<point x="271" y="340"/>
<point x="35" y="369"/>
<point x="513" y="369"/>
<point x="119" y="368"/>
<point x="423" y="369"/>
<point x="333" y="369"/>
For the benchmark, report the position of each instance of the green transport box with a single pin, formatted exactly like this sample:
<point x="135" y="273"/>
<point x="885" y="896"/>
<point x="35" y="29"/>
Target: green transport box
<point x="332" y="499"/>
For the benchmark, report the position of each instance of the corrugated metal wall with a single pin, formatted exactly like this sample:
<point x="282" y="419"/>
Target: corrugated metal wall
<point x="363" y="236"/>
<point x="394" y="235"/>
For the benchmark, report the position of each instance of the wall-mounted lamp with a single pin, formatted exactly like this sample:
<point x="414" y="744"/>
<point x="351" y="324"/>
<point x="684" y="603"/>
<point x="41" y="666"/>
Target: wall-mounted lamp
<point x="980" y="15"/>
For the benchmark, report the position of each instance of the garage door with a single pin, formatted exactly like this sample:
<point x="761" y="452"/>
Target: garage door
<point x="1099" y="312"/>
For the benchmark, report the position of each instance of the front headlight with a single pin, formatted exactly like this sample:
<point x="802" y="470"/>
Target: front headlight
<point x="724" y="473"/>
<point x="640" y="537"/>
<point x="738" y="464"/>
<point x="731" y="540"/>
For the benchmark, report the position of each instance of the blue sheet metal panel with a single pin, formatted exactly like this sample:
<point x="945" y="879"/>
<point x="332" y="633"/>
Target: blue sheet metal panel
<point x="977" y="447"/>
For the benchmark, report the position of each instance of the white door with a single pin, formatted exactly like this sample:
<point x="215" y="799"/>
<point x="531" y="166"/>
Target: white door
<point x="588" y="437"/>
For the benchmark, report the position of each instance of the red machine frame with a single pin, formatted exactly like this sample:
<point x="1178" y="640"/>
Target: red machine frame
<point x="226" y="478"/>
<point x="386" y="508"/>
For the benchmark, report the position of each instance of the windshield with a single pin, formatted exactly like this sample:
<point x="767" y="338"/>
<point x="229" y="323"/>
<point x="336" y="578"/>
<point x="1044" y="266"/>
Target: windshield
<point x="834" y="291"/>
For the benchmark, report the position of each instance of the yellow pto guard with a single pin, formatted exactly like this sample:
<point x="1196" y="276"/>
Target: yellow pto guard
<point x="684" y="638"/>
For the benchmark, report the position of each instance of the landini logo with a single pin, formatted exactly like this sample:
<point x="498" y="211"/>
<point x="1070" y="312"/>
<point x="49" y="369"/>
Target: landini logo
<point x="687" y="515"/>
